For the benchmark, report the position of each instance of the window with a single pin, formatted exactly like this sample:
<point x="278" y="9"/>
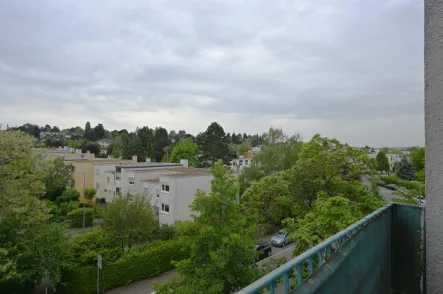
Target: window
<point x="97" y="185"/>
<point x="165" y="188"/>
<point x="109" y="180"/>
<point x="118" y="190"/>
<point x="165" y="208"/>
<point x="72" y="183"/>
<point x="246" y="162"/>
<point x="106" y="190"/>
<point x="117" y="178"/>
<point x="131" y="182"/>
<point x="97" y="172"/>
<point x="158" y="196"/>
<point x="73" y="169"/>
<point x="240" y="162"/>
<point x="113" y="193"/>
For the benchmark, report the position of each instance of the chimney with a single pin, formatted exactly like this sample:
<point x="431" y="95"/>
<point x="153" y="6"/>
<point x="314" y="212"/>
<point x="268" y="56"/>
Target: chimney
<point x="148" y="159"/>
<point x="184" y="162"/>
<point x="134" y="158"/>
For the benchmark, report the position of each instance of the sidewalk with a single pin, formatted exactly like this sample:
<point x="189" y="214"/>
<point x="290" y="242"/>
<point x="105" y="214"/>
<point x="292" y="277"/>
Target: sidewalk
<point x="142" y="287"/>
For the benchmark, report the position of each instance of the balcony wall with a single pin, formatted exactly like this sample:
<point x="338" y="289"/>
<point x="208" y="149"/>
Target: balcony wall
<point x="379" y="254"/>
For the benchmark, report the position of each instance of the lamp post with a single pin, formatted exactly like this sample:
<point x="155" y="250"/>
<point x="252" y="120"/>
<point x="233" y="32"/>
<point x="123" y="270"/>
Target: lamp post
<point x="84" y="199"/>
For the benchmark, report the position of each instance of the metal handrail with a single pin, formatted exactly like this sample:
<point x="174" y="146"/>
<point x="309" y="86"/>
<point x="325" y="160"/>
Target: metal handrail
<point x="319" y="250"/>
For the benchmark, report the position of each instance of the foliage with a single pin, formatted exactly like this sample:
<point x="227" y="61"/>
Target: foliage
<point x="328" y="216"/>
<point x="69" y="195"/>
<point x="269" y="200"/>
<point x="83" y="249"/>
<point x="166" y="232"/>
<point x="92" y="147"/>
<point x="67" y="207"/>
<point x="323" y="166"/>
<point x="90" y="193"/>
<point x="244" y="147"/>
<point x="404" y="169"/>
<point x="130" y="219"/>
<point x="28" y="254"/>
<point x="418" y="162"/>
<point x="161" y="140"/>
<point x="382" y="162"/>
<point x="279" y="152"/>
<point x="73" y="144"/>
<point x="75" y="217"/>
<point x="21" y="172"/>
<point x="220" y="242"/>
<point x="58" y="177"/>
<point x="213" y="144"/>
<point x="417" y="187"/>
<point x="139" y="264"/>
<point x="185" y="149"/>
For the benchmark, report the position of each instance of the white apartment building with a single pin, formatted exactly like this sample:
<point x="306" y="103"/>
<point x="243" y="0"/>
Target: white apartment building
<point x="392" y="158"/>
<point x="170" y="186"/>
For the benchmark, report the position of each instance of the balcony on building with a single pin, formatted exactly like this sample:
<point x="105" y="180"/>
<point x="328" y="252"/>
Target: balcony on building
<point x="382" y="253"/>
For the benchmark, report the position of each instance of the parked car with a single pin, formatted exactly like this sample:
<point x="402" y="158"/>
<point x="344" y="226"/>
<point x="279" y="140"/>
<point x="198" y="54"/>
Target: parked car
<point x="391" y="186"/>
<point x="381" y="183"/>
<point x="280" y="239"/>
<point x="264" y="248"/>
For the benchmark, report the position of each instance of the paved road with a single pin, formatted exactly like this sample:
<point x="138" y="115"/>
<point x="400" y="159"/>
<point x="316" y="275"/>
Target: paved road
<point x="385" y="193"/>
<point x="145" y="286"/>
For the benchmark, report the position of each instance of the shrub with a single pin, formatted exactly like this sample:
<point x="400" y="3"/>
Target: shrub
<point x="68" y="195"/>
<point x="138" y="264"/>
<point x="75" y="217"/>
<point x="166" y="232"/>
<point x="414" y="186"/>
<point x="67" y="207"/>
<point x="84" y="248"/>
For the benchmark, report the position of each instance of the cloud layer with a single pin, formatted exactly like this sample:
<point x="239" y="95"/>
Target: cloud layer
<point x="352" y="69"/>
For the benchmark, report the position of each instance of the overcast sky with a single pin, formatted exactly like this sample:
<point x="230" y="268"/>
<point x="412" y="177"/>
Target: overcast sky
<point x="350" y="69"/>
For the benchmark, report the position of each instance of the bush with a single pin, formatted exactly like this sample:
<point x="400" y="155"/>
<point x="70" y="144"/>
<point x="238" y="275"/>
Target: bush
<point x="166" y="232"/>
<point x="84" y="248"/>
<point x="67" y="196"/>
<point x="414" y="186"/>
<point x="75" y="217"/>
<point x="67" y="207"/>
<point x="141" y="263"/>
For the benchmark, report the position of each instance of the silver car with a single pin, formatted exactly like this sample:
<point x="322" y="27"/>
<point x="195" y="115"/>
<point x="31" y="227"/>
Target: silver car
<point x="280" y="239"/>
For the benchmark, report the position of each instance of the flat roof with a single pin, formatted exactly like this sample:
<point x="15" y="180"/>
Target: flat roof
<point x="152" y="181"/>
<point x="147" y="164"/>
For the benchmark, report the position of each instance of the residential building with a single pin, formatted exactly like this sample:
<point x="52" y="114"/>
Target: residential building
<point x="392" y="158"/>
<point x="83" y="171"/>
<point x="104" y="143"/>
<point x="242" y="161"/>
<point x="170" y="186"/>
<point x="65" y="153"/>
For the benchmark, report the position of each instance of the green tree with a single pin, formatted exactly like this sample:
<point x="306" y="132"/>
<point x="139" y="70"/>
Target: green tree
<point x="22" y="171"/>
<point x="404" y="169"/>
<point x="220" y="242"/>
<point x="90" y="193"/>
<point x="57" y="178"/>
<point x="48" y="142"/>
<point x="99" y="132"/>
<point x="213" y="144"/>
<point x="418" y="162"/>
<point x="89" y="133"/>
<point x="382" y="162"/>
<point x="244" y="147"/>
<point x="185" y="149"/>
<point x="130" y="219"/>
<point x="279" y="152"/>
<point x="69" y="195"/>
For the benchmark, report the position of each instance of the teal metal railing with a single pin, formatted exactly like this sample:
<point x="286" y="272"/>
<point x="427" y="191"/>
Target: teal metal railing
<point x="378" y="254"/>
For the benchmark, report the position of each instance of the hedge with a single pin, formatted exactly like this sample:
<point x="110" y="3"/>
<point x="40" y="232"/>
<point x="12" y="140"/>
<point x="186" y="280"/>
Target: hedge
<point x="416" y="186"/>
<point x="75" y="217"/>
<point x="139" y="264"/>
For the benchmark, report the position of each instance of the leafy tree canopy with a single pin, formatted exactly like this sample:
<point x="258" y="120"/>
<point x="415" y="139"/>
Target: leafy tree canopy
<point x="185" y="149"/>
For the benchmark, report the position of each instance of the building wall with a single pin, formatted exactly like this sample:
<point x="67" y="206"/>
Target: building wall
<point x="434" y="144"/>
<point x="181" y="194"/>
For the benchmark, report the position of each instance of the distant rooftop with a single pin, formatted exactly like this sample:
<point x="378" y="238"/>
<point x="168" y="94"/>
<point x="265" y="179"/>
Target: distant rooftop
<point x="147" y="164"/>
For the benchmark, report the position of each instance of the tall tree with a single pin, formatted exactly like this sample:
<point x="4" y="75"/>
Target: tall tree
<point x="404" y="169"/>
<point x="382" y="162"/>
<point x="146" y="136"/>
<point x="214" y="145"/>
<point x="234" y="138"/>
<point x="99" y="132"/>
<point x="89" y="133"/>
<point x="130" y="219"/>
<point x="185" y="149"/>
<point x="57" y="179"/>
<point x="161" y="140"/>
<point x="220" y="242"/>
<point x="245" y="137"/>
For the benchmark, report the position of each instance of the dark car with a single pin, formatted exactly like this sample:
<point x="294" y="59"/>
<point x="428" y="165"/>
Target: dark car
<point x="391" y="186"/>
<point x="264" y="248"/>
<point x="381" y="184"/>
<point x="280" y="239"/>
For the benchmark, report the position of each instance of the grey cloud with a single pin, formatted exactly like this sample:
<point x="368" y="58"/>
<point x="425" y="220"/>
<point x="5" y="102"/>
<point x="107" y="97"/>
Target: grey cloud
<point x="307" y="60"/>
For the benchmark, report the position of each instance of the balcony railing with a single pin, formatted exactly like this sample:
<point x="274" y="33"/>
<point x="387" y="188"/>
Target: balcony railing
<point x="382" y="253"/>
